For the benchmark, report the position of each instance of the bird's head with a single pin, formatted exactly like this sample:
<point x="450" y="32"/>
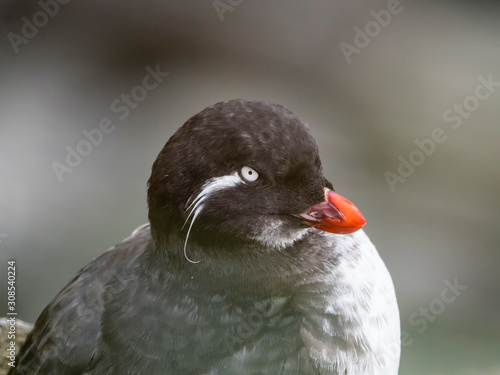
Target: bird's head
<point x="244" y="172"/>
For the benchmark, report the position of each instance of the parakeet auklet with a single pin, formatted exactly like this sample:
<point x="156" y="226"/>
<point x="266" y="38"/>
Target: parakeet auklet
<point x="250" y="264"/>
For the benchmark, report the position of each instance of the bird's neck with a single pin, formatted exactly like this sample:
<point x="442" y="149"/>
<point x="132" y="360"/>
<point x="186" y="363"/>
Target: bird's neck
<point x="243" y="265"/>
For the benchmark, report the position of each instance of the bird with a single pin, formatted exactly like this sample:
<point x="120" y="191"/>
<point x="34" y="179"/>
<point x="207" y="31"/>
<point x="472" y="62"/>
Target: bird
<point x="250" y="263"/>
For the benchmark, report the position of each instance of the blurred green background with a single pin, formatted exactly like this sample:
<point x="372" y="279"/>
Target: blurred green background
<point x="370" y="78"/>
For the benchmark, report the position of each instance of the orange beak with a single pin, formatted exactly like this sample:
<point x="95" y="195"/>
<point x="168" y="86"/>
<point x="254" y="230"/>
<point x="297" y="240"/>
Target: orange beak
<point x="335" y="215"/>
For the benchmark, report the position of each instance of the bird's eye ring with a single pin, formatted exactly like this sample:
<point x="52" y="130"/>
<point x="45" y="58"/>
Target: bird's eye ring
<point x="249" y="174"/>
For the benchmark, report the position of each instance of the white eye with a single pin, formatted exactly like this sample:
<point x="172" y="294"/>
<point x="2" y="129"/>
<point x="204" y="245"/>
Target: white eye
<point x="249" y="174"/>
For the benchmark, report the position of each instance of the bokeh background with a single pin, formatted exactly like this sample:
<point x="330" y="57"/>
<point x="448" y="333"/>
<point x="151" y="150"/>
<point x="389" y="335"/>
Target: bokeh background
<point x="366" y="110"/>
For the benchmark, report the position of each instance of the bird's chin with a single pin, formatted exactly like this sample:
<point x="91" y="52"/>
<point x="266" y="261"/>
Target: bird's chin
<point x="278" y="232"/>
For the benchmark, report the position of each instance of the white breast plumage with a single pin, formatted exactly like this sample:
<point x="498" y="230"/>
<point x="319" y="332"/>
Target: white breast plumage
<point x="352" y="324"/>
